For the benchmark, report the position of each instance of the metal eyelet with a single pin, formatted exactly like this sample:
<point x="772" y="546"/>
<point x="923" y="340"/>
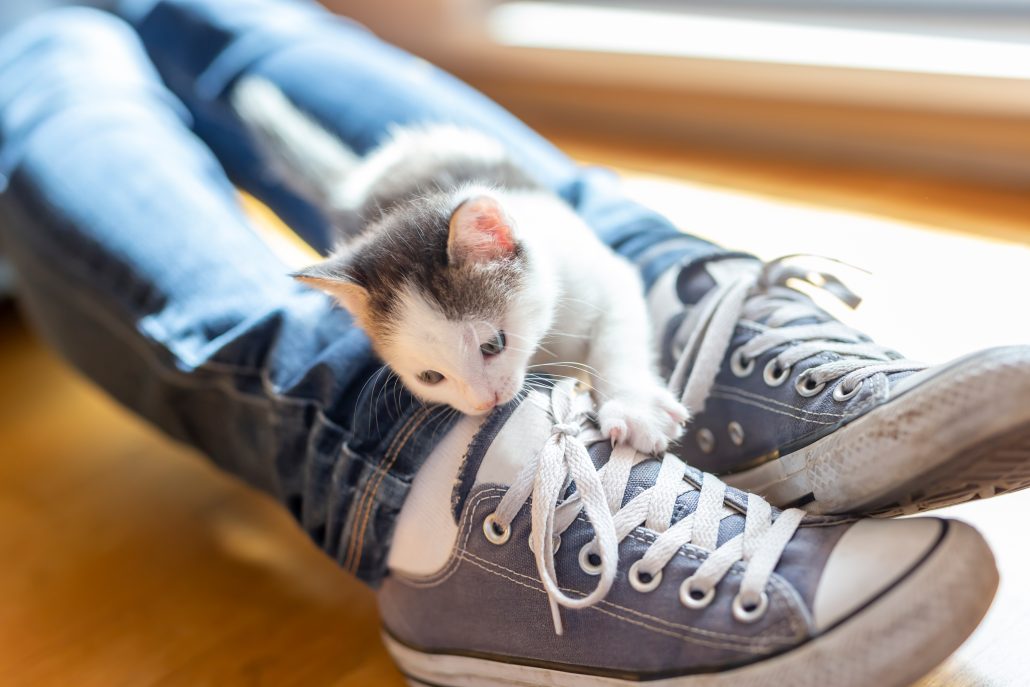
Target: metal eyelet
<point x="639" y="584"/>
<point x="736" y="432"/>
<point x="803" y="389"/>
<point x="740" y="365"/>
<point x="585" y="564"/>
<point x="774" y="374"/>
<point x="688" y="599"/>
<point x="750" y="615"/>
<point x="840" y="395"/>
<point x="495" y="533"/>
<point x="705" y="440"/>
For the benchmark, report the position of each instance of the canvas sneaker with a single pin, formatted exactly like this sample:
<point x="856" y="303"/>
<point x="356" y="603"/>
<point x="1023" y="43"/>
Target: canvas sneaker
<point x="792" y="404"/>
<point x="530" y="552"/>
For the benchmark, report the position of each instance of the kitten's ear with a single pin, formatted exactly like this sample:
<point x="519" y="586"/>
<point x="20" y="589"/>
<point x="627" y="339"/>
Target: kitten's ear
<point x="480" y="232"/>
<point x="329" y="276"/>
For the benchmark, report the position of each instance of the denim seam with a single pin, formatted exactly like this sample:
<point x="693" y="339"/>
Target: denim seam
<point x="355" y="546"/>
<point x="364" y="494"/>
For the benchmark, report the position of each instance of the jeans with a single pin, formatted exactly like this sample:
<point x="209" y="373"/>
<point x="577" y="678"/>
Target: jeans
<point x="119" y="158"/>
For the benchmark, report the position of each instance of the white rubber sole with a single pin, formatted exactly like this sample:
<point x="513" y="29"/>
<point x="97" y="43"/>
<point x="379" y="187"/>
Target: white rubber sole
<point x="893" y="641"/>
<point x="960" y="435"/>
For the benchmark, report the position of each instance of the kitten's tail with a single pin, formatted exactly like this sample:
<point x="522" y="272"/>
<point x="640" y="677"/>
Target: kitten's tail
<point x="309" y="158"/>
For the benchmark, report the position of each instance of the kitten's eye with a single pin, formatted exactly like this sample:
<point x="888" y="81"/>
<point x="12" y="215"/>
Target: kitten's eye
<point x="430" y="377"/>
<point x="494" y="345"/>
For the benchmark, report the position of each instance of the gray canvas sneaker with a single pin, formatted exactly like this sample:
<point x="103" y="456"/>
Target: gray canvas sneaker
<point x="792" y="404"/>
<point x="542" y="556"/>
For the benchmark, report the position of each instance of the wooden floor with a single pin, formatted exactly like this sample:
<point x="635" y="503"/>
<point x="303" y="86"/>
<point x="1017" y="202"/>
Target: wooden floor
<point x="127" y="560"/>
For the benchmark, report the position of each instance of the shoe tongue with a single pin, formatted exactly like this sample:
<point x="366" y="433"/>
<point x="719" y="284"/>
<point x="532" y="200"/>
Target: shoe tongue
<point x="504" y="443"/>
<point x="698" y="278"/>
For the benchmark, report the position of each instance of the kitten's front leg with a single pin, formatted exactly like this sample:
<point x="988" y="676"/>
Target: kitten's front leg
<point x="635" y="405"/>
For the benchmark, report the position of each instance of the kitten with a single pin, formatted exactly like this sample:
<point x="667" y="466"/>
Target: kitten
<point x="465" y="273"/>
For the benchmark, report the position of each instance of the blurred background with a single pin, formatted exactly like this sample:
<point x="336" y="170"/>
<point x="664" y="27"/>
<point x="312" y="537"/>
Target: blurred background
<point x="928" y="86"/>
<point x="892" y="134"/>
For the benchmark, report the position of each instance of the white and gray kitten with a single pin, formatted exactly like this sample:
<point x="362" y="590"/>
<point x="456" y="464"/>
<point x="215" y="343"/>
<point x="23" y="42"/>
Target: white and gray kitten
<point x="465" y="273"/>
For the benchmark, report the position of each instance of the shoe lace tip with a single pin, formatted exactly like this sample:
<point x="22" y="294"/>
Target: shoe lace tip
<point x="556" y="618"/>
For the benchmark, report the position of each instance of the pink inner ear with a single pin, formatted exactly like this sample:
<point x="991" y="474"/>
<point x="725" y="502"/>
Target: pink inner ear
<point x="480" y="231"/>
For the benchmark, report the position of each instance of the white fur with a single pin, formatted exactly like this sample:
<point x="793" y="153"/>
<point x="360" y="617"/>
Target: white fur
<point x="581" y="309"/>
<point x="600" y="321"/>
<point x="581" y="314"/>
<point x="472" y="383"/>
<point x="426" y="144"/>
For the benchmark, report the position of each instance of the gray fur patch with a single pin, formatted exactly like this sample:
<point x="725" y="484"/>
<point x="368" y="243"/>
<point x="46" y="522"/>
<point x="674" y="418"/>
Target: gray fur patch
<point x="404" y="244"/>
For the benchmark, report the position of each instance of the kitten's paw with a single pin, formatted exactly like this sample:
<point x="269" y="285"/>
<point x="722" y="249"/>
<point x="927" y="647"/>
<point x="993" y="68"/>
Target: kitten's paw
<point x="647" y="420"/>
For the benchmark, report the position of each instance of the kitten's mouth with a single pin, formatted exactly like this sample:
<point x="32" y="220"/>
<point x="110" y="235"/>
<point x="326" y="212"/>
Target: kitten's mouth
<point x="487" y="406"/>
<point x="484" y="408"/>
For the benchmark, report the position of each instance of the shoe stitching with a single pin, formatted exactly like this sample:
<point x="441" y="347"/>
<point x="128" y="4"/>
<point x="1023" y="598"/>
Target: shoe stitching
<point x="759" y="397"/>
<point x="639" y="623"/>
<point x="689" y="629"/>
<point x="454" y="559"/>
<point x="459" y="554"/>
<point x="747" y="401"/>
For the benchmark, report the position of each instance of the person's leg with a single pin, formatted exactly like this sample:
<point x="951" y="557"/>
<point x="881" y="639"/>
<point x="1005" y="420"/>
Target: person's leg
<point x="357" y="86"/>
<point x="135" y="261"/>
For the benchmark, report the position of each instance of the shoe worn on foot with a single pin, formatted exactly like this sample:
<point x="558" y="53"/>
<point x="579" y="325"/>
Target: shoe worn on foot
<point x="561" y="561"/>
<point x="794" y="405"/>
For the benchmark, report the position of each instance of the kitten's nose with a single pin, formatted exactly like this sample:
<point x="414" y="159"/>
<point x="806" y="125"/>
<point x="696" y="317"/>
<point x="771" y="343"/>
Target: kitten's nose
<point x="487" y="405"/>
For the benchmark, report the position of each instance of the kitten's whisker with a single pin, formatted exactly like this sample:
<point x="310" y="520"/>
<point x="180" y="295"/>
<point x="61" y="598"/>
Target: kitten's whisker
<point x="370" y="379"/>
<point x="538" y="347"/>
<point x="571" y="363"/>
<point x="522" y="350"/>
<point x="581" y="367"/>
<point x="391" y="378"/>
<point x="374" y="380"/>
<point x="580" y="301"/>
<point x="567" y="335"/>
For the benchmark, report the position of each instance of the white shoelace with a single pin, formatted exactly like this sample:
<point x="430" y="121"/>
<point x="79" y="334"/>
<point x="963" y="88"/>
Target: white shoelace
<point x="765" y="297"/>
<point x="599" y="494"/>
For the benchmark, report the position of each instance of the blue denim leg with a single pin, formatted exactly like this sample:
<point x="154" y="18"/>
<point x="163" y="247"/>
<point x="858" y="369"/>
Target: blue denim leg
<point x="357" y="86"/>
<point x="135" y="261"/>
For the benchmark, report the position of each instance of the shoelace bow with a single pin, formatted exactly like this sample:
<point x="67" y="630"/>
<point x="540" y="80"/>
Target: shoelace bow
<point x="599" y="495"/>
<point x="765" y="297"/>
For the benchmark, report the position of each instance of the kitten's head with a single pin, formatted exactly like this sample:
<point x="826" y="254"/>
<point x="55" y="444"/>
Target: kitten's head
<point x="449" y="295"/>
